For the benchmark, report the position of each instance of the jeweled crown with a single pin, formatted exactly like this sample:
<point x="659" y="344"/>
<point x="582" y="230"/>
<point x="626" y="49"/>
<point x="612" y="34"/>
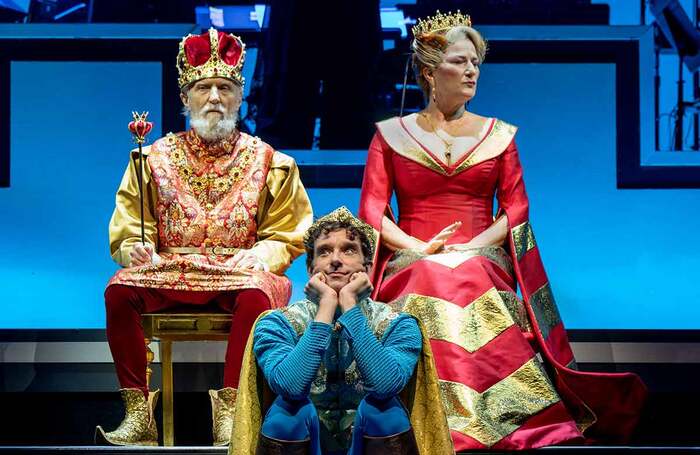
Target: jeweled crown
<point x="440" y="22"/>
<point x="342" y="215"/>
<point x="211" y="54"/>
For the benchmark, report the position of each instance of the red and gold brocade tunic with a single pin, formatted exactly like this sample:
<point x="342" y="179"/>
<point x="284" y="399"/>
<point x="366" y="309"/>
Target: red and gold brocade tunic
<point x="484" y="338"/>
<point x="240" y="194"/>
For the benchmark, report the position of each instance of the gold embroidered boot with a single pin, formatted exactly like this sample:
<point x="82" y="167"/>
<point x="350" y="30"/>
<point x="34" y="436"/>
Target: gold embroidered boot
<point x="223" y="403"/>
<point x="138" y="427"/>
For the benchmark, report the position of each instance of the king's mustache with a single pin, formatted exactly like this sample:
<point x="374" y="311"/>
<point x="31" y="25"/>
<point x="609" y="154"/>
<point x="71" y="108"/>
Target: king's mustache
<point x="206" y="109"/>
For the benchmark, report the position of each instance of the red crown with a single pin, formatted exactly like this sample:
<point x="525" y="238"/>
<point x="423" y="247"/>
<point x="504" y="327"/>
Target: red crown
<point x="211" y="54"/>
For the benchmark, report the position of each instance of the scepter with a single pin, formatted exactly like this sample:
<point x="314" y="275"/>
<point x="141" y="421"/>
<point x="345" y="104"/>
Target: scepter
<point x="140" y="127"/>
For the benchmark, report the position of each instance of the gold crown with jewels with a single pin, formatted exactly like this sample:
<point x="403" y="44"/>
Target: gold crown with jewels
<point x="211" y="54"/>
<point x="440" y="22"/>
<point x="339" y="215"/>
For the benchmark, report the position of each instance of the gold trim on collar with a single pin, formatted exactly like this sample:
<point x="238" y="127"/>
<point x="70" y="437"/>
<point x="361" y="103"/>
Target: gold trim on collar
<point x="402" y="143"/>
<point x="400" y="140"/>
<point x="498" y="139"/>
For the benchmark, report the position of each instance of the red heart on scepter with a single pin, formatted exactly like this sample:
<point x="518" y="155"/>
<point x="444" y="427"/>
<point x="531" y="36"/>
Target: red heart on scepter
<point x="140" y="128"/>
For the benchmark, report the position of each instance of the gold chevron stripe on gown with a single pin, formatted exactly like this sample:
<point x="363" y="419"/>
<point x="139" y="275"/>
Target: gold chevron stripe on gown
<point x="497" y="412"/>
<point x="470" y="327"/>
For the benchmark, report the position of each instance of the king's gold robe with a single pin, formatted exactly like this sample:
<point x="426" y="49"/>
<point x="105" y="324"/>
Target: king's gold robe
<point x="237" y="195"/>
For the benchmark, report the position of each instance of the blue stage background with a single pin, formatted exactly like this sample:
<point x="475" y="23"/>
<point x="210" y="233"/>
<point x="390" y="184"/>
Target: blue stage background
<point x="617" y="259"/>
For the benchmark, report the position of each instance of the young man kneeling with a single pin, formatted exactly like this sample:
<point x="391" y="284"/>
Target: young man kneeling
<point x="338" y="361"/>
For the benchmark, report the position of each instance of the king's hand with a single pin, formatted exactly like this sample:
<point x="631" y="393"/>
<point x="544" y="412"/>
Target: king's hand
<point x="143" y="254"/>
<point x="245" y="259"/>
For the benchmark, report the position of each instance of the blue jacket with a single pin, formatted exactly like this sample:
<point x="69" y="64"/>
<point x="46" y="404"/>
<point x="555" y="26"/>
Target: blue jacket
<point x="369" y="350"/>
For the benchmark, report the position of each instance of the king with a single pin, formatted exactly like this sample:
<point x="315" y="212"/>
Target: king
<point x="224" y="216"/>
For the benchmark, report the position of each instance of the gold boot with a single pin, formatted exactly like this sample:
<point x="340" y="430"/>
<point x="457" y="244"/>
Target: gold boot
<point x="138" y="427"/>
<point x="223" y="403"/>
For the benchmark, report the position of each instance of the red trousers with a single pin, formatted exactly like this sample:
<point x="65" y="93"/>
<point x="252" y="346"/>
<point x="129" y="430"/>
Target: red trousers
<point x="125" y="304"/>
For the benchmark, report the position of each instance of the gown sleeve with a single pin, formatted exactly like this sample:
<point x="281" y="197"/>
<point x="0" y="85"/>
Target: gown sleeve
<point x="511" y="195"/>
<point x="377" y="183"/>
<point x="375" y="201"/>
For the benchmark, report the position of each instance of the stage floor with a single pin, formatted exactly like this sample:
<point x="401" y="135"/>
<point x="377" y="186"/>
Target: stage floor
<point x="574" y="450"/>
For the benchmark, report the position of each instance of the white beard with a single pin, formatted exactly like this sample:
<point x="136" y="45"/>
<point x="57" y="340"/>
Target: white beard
<point x="212" y="131"/>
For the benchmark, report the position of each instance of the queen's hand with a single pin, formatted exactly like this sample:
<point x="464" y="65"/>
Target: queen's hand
<point x="437" y="243"/>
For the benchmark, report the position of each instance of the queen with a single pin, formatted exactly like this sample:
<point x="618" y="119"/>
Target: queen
<point x="456" y="267"/>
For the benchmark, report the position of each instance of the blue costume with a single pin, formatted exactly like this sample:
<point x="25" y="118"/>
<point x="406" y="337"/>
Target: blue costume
<point x="336" y="383"/>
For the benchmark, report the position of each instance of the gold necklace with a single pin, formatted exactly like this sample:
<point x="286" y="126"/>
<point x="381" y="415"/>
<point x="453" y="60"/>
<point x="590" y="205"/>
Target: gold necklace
<point x="448" y="144"/>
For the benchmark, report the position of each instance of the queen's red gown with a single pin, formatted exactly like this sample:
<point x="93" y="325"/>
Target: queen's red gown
<point x="498" y="393"/>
